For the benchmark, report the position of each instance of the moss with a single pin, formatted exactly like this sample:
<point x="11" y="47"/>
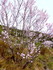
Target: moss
<point x="38" y="44"/>
<point x="50" y="65"/>
<point x="1" y="29"/>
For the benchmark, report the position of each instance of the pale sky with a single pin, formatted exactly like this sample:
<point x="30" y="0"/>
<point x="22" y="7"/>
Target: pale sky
<point x="45" y="5"/>
<point x="48" y="6"/>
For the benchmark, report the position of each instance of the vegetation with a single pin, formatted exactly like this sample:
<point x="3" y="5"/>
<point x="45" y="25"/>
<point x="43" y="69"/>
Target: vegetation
<point x="24" y="49"/>
<point x="18" y="54"/>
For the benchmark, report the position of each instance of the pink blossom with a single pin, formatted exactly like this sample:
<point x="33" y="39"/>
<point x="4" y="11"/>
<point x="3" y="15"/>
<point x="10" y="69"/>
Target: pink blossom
<point x="4" y="1"/>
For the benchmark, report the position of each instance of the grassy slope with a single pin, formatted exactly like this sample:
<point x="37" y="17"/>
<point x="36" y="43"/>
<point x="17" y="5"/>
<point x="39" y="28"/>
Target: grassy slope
<point x="9" y="60"/>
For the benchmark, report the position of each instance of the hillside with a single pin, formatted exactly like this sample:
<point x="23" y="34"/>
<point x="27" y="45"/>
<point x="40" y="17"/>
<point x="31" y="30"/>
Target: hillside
<point x="28" y="51"/>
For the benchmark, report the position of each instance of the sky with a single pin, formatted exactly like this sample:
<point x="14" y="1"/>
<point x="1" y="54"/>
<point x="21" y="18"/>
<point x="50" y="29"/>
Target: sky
<point x="45" y="5"/>
<point x="48" y="6"/>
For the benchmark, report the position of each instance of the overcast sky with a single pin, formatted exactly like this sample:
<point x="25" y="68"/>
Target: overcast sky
<point x="45" y="5"/>
<point x="48" y="6"/>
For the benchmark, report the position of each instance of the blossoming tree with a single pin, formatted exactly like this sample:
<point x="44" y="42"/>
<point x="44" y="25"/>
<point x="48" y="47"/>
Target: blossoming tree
<point x="23" y="15"/>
